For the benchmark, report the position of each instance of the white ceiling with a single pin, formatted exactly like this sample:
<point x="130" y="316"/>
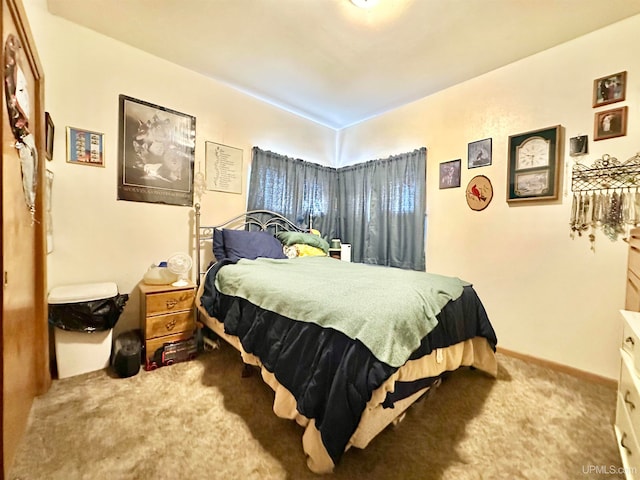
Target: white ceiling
<point x="332" y="62"/>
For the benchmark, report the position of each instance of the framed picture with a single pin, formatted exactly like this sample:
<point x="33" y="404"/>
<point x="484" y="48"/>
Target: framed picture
<point x="48" y="134"/>
<point x="578" y="145"/>
<point x="450" y="174"/>
<point x="610" y="123"/>
<point x="85" y="147"/>
<point x="224" y="168"/>
<point x="609" y="89"/>
<point x="156" y="153"/>
<point x="479" y="153"/>
<point x="534" y="165"/>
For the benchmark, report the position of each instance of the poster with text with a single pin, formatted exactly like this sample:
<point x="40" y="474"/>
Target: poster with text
<point x="224" y="168"/>
<point x="156" y="154"/>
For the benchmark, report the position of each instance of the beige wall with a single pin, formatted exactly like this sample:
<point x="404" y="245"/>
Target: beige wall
<point x="547" y="295"/>
<point x="98" y="238"/>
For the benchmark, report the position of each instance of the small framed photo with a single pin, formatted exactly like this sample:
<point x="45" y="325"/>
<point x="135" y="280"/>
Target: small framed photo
<point x="85" y="147"/>
<point x="609" y="89"/>
<point x="578" y="145"/>
<point x="450" y="174"/>
<point x="49" y="130"/>
<point x="610" y="123"/>
<point x="479" y="153"/>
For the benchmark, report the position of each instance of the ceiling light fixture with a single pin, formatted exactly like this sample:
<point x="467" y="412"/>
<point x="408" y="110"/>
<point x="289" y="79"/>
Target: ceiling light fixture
<point x="365" y="3"/>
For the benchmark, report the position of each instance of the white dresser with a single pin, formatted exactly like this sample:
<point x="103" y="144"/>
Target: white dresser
<point x="627" y="425"/>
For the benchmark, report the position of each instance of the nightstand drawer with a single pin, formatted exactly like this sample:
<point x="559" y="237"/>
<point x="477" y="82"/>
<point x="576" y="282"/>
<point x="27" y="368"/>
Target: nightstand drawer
<point x="154" y="344"/>
<point x="169" y="323"/>
<point x="167" y="302"/>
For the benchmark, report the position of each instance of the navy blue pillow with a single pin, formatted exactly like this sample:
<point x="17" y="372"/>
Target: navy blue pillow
<point x="218" y="244"/>
<point x="244" y="244"/>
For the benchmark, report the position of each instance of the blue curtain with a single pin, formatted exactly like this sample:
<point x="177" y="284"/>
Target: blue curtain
<point x="294" y="188"/>
<point x="381" y="210"/>
<point x="377" y="206"/>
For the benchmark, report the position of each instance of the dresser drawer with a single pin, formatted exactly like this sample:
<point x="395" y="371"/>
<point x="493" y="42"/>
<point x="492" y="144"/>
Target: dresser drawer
<point x="627" y="442"/>
<point x="167" y="302"/>
<point x="629" y="388"/>
<point x="153" y="344"/>
<point x="169" y="323"/>
<point x="631" y="335"/>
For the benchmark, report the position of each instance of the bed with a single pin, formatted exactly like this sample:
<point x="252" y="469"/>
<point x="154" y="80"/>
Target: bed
<point x="332" y="338"/>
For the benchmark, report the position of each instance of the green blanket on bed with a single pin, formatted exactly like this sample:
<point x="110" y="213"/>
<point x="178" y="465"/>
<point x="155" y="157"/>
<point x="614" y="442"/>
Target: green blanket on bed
<point x="388" y="309"/>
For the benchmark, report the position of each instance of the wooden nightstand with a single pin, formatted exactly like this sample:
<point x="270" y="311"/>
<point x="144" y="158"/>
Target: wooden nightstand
<point x="167" y="318"/>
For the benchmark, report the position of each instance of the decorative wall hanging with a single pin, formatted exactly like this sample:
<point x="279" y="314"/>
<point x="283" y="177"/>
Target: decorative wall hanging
<point x="224" y="168"/>
<point x="479" y="153"/>
<point x="19" y="107"/>
<point x="85" y="147"/>
<point x="156" y="150"/>
<point x="479" y="193"/>
<point x="534" y="165"/>
<point x="609" y="89"/>
<point x="450" y="174"/>
<point x="605" y="196"/>
<point x="610" y="123"/>
<point x="199" y="184"/>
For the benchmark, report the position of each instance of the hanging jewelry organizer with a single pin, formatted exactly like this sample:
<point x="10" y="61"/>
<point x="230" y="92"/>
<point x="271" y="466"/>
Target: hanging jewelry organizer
<point x="605" y="196"/>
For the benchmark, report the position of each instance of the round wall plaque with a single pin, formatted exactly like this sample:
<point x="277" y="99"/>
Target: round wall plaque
<point x="479" y="193"/>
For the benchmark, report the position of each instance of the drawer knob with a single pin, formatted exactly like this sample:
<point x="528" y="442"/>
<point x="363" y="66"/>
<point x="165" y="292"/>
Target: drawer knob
<point x="627" y="401"/>
<point x="172" y="323"/>
<point x="624" y="437"/>
<point x="630" y="341"/>
<point x="171" y="303"/>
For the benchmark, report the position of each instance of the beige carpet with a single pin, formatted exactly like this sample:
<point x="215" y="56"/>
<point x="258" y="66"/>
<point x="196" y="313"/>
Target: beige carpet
<point x="201" y="419"/>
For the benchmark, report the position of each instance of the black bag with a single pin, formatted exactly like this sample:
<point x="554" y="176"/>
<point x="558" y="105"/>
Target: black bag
<point x="90" y="316"/>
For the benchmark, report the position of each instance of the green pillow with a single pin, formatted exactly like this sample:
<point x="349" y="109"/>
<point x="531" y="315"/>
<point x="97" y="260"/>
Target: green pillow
<point x="291" y="238"/>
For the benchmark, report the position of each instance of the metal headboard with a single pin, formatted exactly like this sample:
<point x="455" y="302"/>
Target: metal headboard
<point x="262" y="220"/>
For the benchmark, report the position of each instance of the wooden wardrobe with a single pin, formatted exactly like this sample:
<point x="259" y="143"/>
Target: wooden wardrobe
<point x="23" y="334"/>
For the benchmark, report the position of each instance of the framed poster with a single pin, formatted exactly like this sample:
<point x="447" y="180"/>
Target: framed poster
<point x="534" y="165"/>
<point x="156" y="152"/>
<point x="223" y="168"/>
<point x="85" y="147"/>
<point x="450" y="174"/>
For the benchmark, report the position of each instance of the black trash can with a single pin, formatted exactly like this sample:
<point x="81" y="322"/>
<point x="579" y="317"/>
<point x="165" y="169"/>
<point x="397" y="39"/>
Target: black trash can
<point x="127" y="354"/>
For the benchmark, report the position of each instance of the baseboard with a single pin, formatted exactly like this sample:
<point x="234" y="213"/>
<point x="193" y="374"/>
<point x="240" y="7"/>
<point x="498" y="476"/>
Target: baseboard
<point x="591" y="377"/>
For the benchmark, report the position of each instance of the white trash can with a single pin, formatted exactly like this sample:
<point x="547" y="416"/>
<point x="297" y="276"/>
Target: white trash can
<point x="83" y="316"/>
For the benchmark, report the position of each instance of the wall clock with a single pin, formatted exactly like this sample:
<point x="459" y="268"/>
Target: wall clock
<point x="479" y="193"/>
<point x="534" y="165"/>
